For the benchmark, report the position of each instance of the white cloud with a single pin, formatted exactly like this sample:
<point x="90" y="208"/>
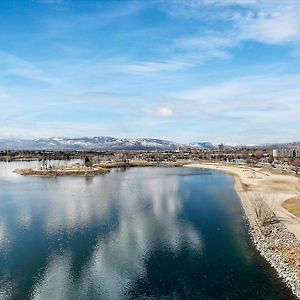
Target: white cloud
<point x="205" y="41"/>
<point x="266" y="21"/>
<point x="255" y="99"/>
<point x="148" y="67"/>
<point x="162" y="111"/>
<point x="271" y="26"/>
<point x="200" y="46"/>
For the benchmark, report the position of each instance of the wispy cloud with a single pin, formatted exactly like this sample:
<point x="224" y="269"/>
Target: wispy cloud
<point x="269" y="22"/>
<point x="174" y="68"/>
<point x="150" y="67"/>
<point x="276" y="26"/>
<point x="12" y="65"/>
<point x="205" y="41"/>
<point x="254" y="99"/>
<point x="162" y="111"/>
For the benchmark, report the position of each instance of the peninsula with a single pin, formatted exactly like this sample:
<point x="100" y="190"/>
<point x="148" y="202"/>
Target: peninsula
<point x="73" y="170"/>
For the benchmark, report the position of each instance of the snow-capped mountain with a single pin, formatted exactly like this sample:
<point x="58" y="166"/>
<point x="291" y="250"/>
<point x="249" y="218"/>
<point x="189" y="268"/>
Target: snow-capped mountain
<point x="203" y="145"/>
<point x="89" y="143"/>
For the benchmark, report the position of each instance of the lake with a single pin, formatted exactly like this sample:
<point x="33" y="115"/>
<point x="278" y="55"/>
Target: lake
<point x="139" y="233"/>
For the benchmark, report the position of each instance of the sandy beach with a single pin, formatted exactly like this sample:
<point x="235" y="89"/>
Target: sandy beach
<point x="281" y="245"/>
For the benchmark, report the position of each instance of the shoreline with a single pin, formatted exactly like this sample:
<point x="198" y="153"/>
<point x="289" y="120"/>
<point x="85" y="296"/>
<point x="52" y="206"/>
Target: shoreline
<point x="280" y="247"/>
<point x="67" y="171"/>
<point x="96" y="169"/>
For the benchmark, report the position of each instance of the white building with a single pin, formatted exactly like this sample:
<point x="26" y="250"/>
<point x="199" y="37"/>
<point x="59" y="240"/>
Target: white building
<point x="275" y="153"/>
<point x="289" y="153"/>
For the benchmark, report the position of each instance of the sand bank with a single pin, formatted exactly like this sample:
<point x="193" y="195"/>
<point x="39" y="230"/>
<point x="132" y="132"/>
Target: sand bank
<point x="60" y="171"/>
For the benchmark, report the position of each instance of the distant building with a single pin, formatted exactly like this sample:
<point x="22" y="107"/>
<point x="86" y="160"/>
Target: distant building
<point x="288" y="153"/>
<point x="221" y="147"/>
<point x="275" y="153"/>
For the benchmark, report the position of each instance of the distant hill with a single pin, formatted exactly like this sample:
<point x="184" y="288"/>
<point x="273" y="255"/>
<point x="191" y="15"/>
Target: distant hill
<point x="95" y="143"/>
<point x="282" y="145"/>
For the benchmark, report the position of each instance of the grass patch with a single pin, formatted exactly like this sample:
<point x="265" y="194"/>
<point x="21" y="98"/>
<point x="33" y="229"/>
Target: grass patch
<point x="293" y="206"/>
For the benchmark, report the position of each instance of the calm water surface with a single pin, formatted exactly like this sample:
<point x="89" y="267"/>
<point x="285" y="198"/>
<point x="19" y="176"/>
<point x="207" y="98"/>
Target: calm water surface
<point x="143" y="233"/>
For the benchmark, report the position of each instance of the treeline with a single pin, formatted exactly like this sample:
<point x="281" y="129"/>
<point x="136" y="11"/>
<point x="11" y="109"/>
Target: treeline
<point x="9" y="155"/>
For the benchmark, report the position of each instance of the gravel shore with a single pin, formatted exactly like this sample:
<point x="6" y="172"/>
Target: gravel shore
<point x="279" y="247"/>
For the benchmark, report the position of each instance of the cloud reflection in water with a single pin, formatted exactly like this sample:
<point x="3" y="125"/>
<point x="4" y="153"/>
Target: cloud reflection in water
<point x="148" y="210"/>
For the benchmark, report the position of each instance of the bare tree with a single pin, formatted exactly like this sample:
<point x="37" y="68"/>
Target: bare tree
<point x="296" y="165"/>
<point x="264" y="213"/>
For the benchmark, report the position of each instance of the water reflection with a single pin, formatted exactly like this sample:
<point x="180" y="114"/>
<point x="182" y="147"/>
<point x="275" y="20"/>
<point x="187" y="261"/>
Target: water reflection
<point x="56" y="282"/>
<point x="85" y="239"/>
<point x="121" y="257"/>
<point x="3" y="237"/>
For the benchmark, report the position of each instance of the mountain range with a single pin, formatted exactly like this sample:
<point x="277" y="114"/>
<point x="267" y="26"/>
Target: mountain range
<point x="100" y="143"/>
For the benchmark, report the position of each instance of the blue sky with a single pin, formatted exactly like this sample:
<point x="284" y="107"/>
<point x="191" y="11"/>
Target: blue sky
<point x="185" y="70"/>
